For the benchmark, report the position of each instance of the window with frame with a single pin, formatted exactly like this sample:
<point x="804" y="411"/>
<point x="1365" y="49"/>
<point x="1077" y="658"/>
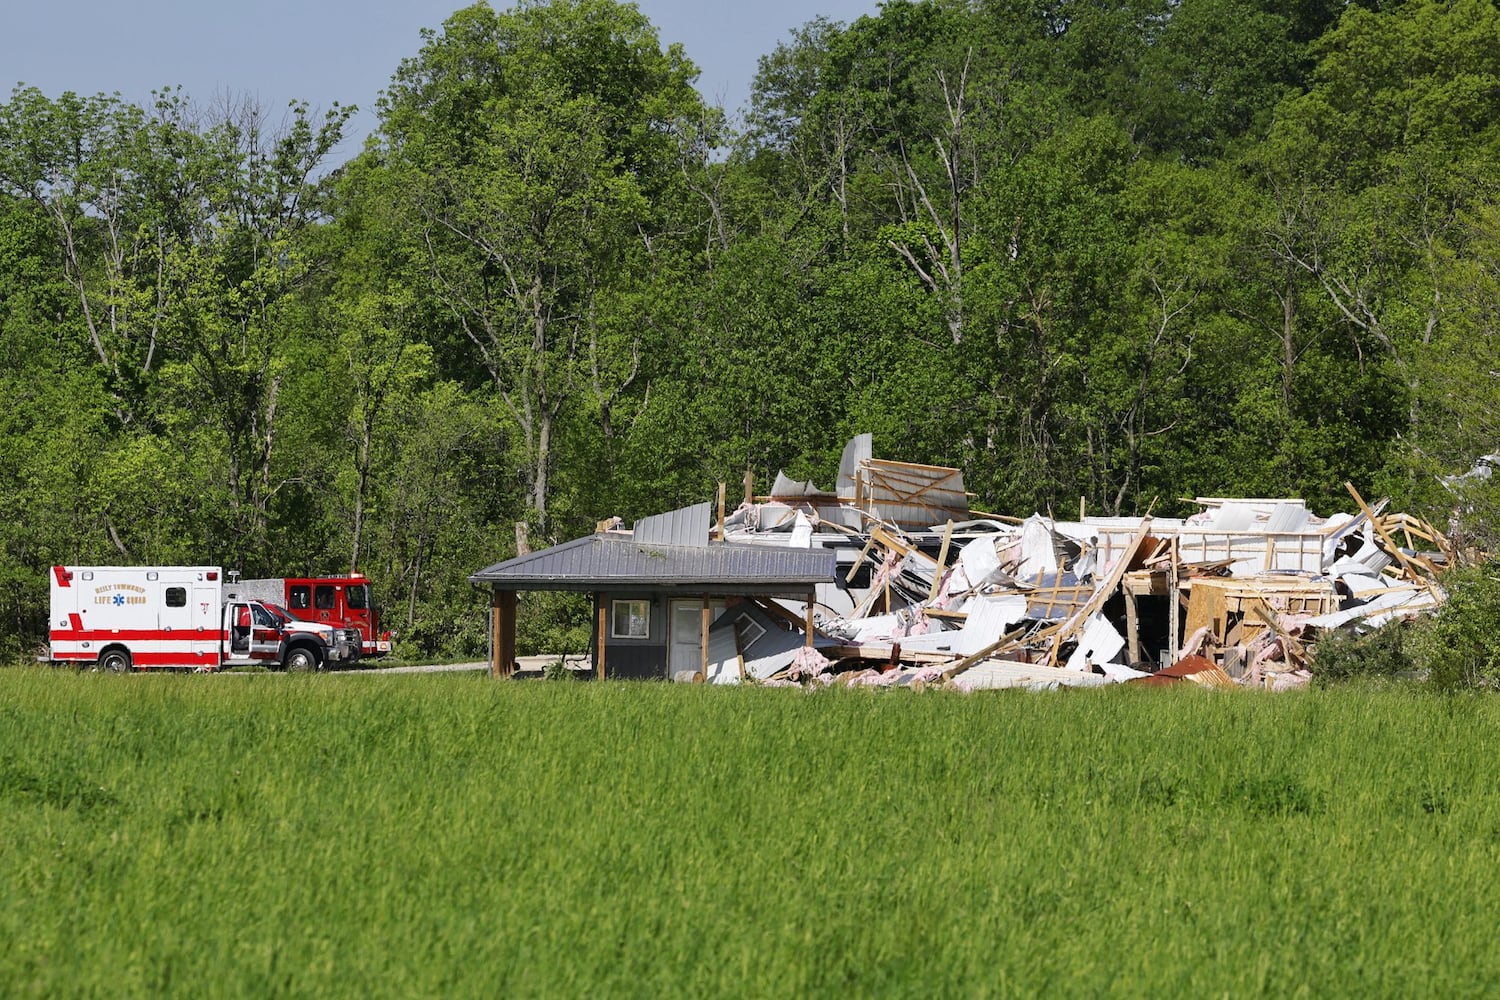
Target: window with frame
<point x="176" y="597"/>
<point x="748" y="630"/>
<point x="301" y="596"/>
<point x="324" y="597"/>
<point x="630" y="620"/>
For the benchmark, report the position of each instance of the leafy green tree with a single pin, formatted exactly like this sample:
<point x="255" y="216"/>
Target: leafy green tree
<point x="1388" y="159"/>
<point x="537" y="143"/>
<point x="177" y="233"/>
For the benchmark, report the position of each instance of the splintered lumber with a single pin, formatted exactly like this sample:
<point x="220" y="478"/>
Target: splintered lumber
<point x="1146" y="582"/>
<point x="1101" y="593"/>
<point x="984" y="515"/>
<point x="1411" y="568"/>
<point x="1227" y="606"/>
<point x="1413" y="528"/>
<point x="775" y="610"/>
<point x="1295" y="652"/>
<point x="1160" y="553"/>
<point x="886" y="652"/>
<point x="942" y="561"/>
<point x="1052" y="602"/>
<point x="864" y="554"/>
<point x="896" y="543"/>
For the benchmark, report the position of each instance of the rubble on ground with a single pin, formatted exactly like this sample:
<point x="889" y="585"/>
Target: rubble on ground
<point x="933" y="593"/>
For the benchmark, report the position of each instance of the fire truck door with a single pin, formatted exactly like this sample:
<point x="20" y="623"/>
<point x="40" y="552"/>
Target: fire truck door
<point x="326" y="600"/>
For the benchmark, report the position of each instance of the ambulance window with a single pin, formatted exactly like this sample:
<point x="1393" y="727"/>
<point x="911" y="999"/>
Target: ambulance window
<point x="176" y="597"/>
<point x="299" y="596"/>
<point x="324" y="596"/>
<point x="355" y="595"/>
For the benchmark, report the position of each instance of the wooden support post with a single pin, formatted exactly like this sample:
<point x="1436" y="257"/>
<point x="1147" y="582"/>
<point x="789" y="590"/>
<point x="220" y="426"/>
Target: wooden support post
<point x="1174" y="610"/>
<point x="601" y="629"/>
<point x="749" y="487"/>
<point x="503" y="650"/>
<point x="1132" y="626"/>
<point x="496" y="627"/>
<point x="703" y="640"/>
<point x="812" y="599"/>
<point x="722" y="488"/>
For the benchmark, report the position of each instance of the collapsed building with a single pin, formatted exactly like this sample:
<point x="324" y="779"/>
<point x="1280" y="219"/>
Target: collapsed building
<point x="891" y="578"/>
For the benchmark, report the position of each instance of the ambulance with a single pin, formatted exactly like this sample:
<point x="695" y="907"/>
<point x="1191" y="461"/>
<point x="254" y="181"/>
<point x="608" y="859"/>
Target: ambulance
<point x="120" y="618"/>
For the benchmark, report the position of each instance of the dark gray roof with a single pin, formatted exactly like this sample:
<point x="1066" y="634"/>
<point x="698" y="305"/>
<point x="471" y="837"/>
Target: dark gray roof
<point x="608" y="561"/>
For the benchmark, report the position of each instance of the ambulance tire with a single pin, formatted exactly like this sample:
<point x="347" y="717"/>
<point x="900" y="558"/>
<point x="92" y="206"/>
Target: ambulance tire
<point x="301" y="659"/>
<point x="114" y="660"/>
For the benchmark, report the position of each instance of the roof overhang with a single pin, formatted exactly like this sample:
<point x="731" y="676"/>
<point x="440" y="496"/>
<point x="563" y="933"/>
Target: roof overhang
<point x="616" y="561"/>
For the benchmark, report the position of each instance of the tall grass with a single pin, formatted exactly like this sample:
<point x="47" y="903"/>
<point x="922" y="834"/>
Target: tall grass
<point x="451" y="836"/>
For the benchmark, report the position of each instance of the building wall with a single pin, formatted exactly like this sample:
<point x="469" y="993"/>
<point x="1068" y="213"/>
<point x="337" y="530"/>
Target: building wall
<point x="637" y="659"/>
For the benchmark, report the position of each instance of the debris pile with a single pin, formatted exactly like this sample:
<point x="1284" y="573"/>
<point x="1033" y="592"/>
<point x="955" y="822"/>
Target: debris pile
<point x="930" y="592"/>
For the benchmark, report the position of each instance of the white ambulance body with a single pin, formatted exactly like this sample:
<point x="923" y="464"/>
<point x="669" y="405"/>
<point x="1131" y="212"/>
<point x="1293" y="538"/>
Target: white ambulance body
<point x="123" y="617"/>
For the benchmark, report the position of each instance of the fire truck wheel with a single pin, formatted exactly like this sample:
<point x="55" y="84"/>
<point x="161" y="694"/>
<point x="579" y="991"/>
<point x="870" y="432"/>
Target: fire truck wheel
<point x="116" y="660"/>
<point x="301" y="659"/>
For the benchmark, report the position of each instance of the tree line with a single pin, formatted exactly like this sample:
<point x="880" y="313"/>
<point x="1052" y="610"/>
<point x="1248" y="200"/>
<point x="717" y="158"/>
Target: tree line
<point x="1126" y="250"/>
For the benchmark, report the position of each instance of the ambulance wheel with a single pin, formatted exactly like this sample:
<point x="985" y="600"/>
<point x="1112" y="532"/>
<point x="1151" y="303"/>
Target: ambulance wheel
<point x="115" y="660"/>
<point x="301" y="660"/>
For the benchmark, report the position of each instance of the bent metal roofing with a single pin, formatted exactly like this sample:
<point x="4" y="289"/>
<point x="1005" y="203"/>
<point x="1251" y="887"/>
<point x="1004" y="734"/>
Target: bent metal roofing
<point x="607" y="561"/>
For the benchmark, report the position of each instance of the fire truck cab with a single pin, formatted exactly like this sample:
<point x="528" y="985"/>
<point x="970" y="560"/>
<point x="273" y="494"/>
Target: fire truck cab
<point x="185" y="617"/>
<point x="342" y="601"/>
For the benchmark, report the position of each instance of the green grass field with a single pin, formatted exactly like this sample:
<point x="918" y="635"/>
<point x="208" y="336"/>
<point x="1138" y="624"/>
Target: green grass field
<point x="436" y="836"/>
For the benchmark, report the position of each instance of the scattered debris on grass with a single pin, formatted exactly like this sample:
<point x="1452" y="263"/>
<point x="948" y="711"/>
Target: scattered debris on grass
<point x="931" y="593"/>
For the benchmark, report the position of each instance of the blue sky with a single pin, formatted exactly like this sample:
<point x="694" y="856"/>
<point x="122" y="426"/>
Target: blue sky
<point x="323" y="51"/>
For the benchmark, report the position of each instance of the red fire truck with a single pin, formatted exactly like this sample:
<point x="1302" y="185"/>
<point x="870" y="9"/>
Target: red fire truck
<point x="341" y="601"/>
<point x="186" y="617"/>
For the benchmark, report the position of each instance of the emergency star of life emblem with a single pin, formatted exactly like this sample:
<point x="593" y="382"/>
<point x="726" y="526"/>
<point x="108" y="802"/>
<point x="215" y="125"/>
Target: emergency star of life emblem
<point x="119" y="600"/>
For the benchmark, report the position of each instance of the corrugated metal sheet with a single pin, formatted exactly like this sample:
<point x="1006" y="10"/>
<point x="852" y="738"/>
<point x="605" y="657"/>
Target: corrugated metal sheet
<point x="684" y="526"/>
<point x="612" y="560"/>
<point x="913" y="496"/>
<point x="1288" y="517"/>
<point x="787" y="488"/>
<point x="859" y="449"/>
